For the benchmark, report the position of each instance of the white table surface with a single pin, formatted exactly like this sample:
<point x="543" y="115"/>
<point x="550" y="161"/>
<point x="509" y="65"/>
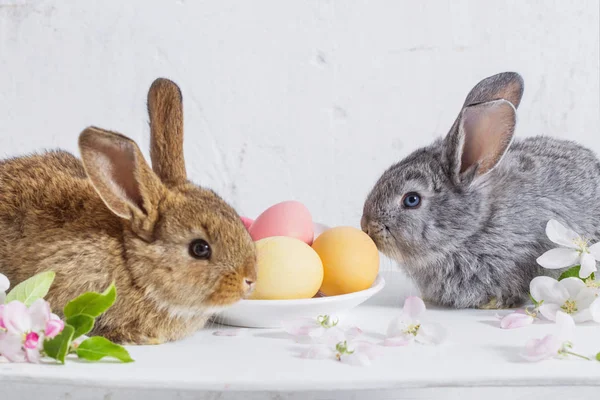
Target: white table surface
<point x="478" y="360"/>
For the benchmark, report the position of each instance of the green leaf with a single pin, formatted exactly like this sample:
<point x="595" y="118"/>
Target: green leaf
<point x="97" y="347"/>
<point x="573" y="272"/>
<point x="32" y="289"/>
<point x="598" y="356"/>
<point x="82" y="324"/>
<point x="91" y="303"/>
<point x="58" y="347"/>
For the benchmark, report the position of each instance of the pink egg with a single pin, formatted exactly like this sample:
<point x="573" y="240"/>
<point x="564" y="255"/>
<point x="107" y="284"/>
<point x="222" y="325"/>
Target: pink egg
<point x="247" y="222"/>
<point x="289" y="218"/>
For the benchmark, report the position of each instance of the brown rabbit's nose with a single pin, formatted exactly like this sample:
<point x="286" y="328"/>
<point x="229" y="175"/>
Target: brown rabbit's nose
<point x="249" y="284"/>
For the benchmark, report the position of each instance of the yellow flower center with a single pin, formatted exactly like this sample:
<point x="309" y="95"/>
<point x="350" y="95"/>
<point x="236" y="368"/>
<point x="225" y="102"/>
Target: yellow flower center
<point x="412" y="329"/>
<point x="569" y="307"/>
<point x="582" y="243"/>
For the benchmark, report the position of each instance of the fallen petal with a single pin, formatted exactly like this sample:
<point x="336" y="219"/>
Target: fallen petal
<point x="541" y="349"/>
<point x="516" y="320"/>
<point x="353" y="332"/>
<point x="559" y="258"/>
<point x="300" y="326"/>
<point x="560" y="234"/>
<point x="230" y="332"/>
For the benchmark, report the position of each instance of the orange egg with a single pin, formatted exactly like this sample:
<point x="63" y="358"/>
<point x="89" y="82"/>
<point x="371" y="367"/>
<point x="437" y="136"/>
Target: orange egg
<point x="350" y="260"/>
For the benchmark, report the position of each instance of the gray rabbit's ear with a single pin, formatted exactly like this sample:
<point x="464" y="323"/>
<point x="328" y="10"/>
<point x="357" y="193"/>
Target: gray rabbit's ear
<point x="480" y="139"/>
<point x="506" y="85"/>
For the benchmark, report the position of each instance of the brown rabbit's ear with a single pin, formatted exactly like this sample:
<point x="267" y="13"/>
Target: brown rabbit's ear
<point x="480" y="139"/>
<point x="506" y="85"/>
<point x="166" y="129"/>
<point x="122" y="178"/>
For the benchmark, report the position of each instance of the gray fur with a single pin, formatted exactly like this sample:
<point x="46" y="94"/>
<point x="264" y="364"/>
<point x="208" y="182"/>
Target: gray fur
<point x="475" y="239"/>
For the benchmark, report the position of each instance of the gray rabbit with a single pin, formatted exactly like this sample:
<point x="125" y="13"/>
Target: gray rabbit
<point x="466" y="215"/>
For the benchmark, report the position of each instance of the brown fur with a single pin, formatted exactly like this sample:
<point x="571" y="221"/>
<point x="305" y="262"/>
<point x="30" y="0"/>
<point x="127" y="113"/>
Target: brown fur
<point x="115" y="220"/>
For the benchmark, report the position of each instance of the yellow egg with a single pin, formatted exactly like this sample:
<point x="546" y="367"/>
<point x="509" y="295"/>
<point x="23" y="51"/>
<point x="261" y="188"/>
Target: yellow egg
<point x="350" y="260"/>
<point x="288" y="268"/>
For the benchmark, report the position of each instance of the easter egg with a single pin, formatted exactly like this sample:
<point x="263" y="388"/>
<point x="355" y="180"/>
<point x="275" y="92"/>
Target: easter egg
<point x="350" y="260"/>
<point x="288" y="268"/>
<point x="289" y="218"/>
<point x="247" y="222"/>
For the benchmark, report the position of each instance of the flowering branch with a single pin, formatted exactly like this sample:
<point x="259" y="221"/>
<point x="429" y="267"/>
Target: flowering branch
<point x="29" y="331"/>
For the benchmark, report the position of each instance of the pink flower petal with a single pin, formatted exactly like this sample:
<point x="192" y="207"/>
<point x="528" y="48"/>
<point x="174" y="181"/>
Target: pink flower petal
<point x="331" y="336"/>
<point x="2" y="326"/>
<point x="33" y="355"/>
<point x="39" y="313"/>
<point x="414" y="307"/>
<point x="516" y="320"/>
<point x="53" y="327"/>
<point x="16" y="318"/>
<point x="541" y="349"/>
<point x="11" y="347"/>
<point x="230" y="332"/>
<point x="301" y="326"/>
<point x="370" y="349"/>
<point x="31" y="341"/>
<point x="353" y="332"/>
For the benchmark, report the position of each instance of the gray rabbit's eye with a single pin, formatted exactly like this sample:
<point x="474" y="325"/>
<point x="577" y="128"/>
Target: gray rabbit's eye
<point x="200" y="249"/>
<point x="411" y="200"/>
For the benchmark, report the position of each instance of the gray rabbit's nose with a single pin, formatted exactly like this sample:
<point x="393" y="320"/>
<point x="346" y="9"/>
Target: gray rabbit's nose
<point x="364" y="224"/>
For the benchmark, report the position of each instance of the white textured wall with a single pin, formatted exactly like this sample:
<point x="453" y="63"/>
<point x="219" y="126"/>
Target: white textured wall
<point x="309" y="100"/>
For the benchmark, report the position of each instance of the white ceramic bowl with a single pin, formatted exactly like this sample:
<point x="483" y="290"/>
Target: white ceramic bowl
<point x="271" y="313"/>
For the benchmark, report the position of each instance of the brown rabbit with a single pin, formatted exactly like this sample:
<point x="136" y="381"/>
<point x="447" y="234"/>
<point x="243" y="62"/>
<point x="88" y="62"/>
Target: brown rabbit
<point x="177" y="252"/>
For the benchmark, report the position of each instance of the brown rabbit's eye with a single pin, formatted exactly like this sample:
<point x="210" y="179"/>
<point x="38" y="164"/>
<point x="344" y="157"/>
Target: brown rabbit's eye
<point x="200" y="249"/>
